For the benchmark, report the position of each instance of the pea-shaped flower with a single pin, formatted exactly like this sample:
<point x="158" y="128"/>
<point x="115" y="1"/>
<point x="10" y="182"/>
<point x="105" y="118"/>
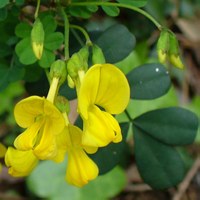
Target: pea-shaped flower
<point x="43" y="122"/>
<point x="104" y="91"/>
<point x="81" y="169"/>
<point x="20" y="163"/>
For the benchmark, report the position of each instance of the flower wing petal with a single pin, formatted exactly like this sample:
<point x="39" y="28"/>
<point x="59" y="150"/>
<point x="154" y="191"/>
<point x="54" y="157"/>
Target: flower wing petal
<point x="104" y="85"/>
<point x="20" y="163"/>
<point x="27" y="110"/>
<point x="26" y="140"/>
<point x="55" y="118"/>
<point x="100" y="129"/>
<point x="81" y="169"/>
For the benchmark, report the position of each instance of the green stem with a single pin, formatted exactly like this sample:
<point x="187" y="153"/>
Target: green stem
<point x="37" y="9"/>
<point x="128" y="115"/>
<point x="84" y="32"/>
<point x="158" y="25"/>
<point x="66" y="34"/>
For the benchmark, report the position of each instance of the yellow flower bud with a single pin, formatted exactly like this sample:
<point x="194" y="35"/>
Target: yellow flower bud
<point x="37" y="38"/>
<point x="176" y="61"/>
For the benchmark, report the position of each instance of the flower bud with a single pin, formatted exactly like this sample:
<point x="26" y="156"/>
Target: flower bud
<point x="58" y="69"/>
<point x="70" y="81"/>
<point x="97" y="55"/>
<point x="176" y="61"/>
<point x="78" y="61"/>
<point x="174" y="53"/>
<point x="37" y="38"/>
<point x="163" y="46"/>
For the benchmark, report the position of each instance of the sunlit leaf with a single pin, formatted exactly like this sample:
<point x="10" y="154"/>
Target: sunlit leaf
<point x="47" y="58"/>
<point x="53" y="41"/>
<point x="25" y="52"/>
<point x="111" y="10"/>
<point x="23" y="30"/>
<point x="136" y="3"/>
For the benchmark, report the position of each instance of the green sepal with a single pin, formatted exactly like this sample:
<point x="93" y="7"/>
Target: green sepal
<point x="97" y="55"/>
<point x="58" y="69"/>
<point x="78" y="62"/>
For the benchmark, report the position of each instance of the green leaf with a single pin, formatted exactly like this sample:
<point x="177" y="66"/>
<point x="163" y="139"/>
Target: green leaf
<point x="47" y="58"/>
<point x="112" y="11"/>
<point x="48" y="181"/>
<point x="82" y="12"/>
<point x="3" y="14"/>
<point x="108" y="157"/>
<point x="4" y="71"/>
<point x="3" y="3"/>
<point x="116" y="43"/>
<point x="53" y="41"/>
<point x="5" y="50"/>
<point x="159" y="165"/>
<point x="149" y="81"/>
<point x="25" y="52"/>
<point x="105" y="187"/>
<point x="23" y="30"/>
<point x="174" y="126"/>
<point x="136" y="3"/>
<point x="49" y="24"/>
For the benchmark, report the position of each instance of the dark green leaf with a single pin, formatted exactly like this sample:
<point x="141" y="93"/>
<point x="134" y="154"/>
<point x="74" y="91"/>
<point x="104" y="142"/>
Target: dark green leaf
<point x="23" y="30"/>
<point x="25" y="52"/>
<point x="149" y="81"/>
<point x="3" y="3"/>
<point x="159" y="165"/>
<point x="174" y="126"/>
<point x="53" y="41"/>
<point x="4" y="71"/>
<point x="47" y="58"/>
<point x="108" y="157"/>
<point x="116" y="43"/>
<point x="136" y="3"/>
<point x="5" y="50"/>
<point x="3" y="14"/>
<point x="111" y="10"/>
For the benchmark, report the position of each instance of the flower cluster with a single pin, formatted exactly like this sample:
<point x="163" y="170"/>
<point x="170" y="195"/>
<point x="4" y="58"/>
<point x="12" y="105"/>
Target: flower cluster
<point x="102" y="92"/>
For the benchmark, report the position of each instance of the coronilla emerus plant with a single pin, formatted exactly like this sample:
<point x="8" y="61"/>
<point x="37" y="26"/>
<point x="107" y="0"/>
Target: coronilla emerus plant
<point x="54" y="44"/>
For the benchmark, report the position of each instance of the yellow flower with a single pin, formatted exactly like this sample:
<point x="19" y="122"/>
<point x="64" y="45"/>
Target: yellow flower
<point x="20" y="163"/>
<point x="81" y="169"/>
<point x="105" y="87"/>
<point x="43" y="121"/>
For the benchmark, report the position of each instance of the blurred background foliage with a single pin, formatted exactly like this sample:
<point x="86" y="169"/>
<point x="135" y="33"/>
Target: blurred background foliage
<point x="20" y="80"/>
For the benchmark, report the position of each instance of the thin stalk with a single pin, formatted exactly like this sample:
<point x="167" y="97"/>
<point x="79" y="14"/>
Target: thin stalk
<point x="37" y="9"/>
<point x="66" y="34"/>
<point x="84" y="32"/>
<point x="156" y="23"/>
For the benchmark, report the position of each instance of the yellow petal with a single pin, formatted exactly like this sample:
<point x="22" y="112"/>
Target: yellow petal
<point x="54" y="117"/>
<point x="26" y="140"/>
<point x="100" y="129"/>
<point x="104" y="85"/>
<point x="81" y="169"/>
<point x="61" y="142"/>
<point x="27" y="110"/>
<point x="45" y="147"/>
<point x="176" y="61"/>
<point x="20" y="163"/>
